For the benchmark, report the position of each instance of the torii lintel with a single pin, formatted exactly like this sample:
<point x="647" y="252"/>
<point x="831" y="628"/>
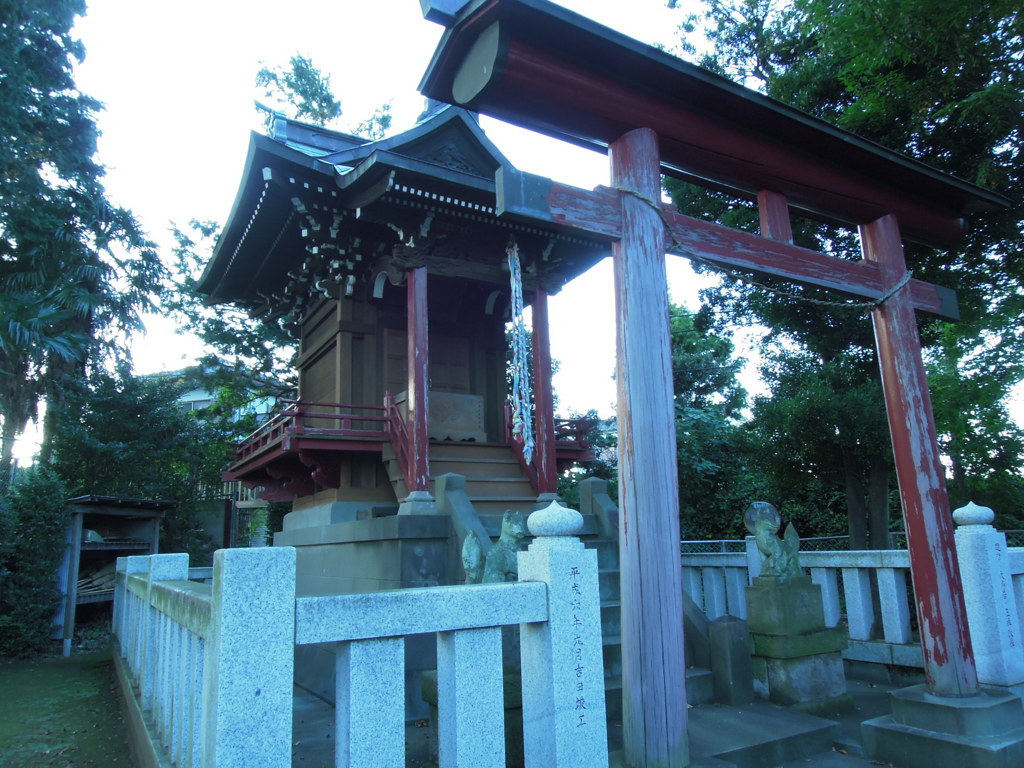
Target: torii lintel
<point x="598" y="213"/>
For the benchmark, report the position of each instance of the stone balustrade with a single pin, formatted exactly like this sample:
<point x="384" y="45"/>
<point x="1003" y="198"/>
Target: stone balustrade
<point x="212" y="663"/>
<point x="872" y="591"/>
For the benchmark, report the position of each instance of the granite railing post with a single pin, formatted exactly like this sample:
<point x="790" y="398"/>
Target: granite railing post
<point x="563" y="672"/>
<point x="127" y="612"/>
<point x="169" y="567"/>
<point x="988" y="593"/>
<point x="753" y="559"/>
<point x="247" y="687"/>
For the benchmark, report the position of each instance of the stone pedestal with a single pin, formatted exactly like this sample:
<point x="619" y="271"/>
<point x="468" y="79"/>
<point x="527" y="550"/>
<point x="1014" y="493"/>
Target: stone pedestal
<point x="797" y="659"/>
<point x="927" y="731"/>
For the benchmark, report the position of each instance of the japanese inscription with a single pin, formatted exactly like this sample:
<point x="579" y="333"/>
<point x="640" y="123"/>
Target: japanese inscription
<point x="576" y="647"/>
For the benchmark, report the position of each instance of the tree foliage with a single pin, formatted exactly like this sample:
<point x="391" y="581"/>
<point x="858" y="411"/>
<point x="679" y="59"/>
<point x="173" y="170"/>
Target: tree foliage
<point x="258" y="356"/>
<point x="304" y="88"/>
<point x="74" y="268"/>
<point x="712" y="450"/>
<point x="128" y="436"/>
<point x="939" y="80"/>
<point x="33" y="521"/>
<point x="305" y="93"/>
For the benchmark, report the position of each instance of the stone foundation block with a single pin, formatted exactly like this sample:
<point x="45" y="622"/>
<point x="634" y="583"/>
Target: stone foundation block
<point x="805" y="644"/>
<point x="799" y="681"/>
<point x="927" y="731"/>
<point x="784" y="608"/>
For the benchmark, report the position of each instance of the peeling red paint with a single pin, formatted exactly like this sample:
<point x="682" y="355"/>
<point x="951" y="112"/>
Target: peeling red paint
<point x="942" y="615"/>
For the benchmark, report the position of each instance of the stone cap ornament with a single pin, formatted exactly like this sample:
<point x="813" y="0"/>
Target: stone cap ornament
<point x="555" y="520"/>
<point x="780" y="558"/>
<point x="974" y="514"/>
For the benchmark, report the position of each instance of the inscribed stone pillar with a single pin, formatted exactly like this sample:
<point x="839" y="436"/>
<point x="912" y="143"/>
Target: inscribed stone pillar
<point x="563" y="674"/>
<point x="988" y="593"/>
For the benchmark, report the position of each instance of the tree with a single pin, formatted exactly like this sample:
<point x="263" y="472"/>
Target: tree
<point x="304" y="88"/>
<point x="250" y="354"/>
<point x="715" y="478"/>
<point x="825" y="437"/>
<point x="33" y="521"/>
<point x="946" y="91"/>
<point x="74" y="268"/>
<point x="127" y="436"/>
<point x="308" y="93"/>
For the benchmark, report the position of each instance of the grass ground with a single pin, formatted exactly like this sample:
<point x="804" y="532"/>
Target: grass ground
<point x="62" y="713"/>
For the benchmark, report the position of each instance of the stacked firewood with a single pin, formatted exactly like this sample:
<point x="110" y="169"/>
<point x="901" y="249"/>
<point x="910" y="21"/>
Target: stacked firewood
<point x="99" y="580"/>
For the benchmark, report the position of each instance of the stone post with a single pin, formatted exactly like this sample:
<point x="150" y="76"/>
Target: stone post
<point x="929" y="731"/>
<point x="988" y="592"/>
<point x="171" y="567"/>
<point x="247" y="690"/>
<point x="563" y="671"/>
<point x="753" y="559"/>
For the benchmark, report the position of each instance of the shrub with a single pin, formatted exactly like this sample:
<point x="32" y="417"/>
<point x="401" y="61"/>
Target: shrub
<point x="33" y="521"/>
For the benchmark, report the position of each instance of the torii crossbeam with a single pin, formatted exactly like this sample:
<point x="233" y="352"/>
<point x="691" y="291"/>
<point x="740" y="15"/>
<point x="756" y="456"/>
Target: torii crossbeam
<point x="542" y="67"/>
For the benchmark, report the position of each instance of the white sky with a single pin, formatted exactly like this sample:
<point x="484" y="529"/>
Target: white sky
<point x="177" y="82"/>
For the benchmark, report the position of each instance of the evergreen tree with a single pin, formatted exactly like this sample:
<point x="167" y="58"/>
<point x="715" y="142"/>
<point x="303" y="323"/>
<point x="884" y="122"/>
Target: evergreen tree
<point x="74" y="268"/>
<point x="939" y="80"/>
<point x="128" y="436"/>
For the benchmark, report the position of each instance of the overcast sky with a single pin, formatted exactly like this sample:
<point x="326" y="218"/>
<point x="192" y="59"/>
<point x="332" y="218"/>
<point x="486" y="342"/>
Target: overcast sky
<point x="177" y="81"/>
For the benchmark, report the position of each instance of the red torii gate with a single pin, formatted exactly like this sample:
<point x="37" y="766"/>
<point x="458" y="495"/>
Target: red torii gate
<point x="545" y="68"/>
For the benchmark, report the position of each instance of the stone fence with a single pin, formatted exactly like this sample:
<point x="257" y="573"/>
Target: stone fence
<point x="872" y="592"/>
<point x="210" y="666"/>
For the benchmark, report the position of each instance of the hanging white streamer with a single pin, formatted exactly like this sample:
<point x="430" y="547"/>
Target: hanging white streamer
<point x="522" y="398"/>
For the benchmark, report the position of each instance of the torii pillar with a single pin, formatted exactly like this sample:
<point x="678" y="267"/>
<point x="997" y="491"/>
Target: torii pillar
<point x="542" y="67"/>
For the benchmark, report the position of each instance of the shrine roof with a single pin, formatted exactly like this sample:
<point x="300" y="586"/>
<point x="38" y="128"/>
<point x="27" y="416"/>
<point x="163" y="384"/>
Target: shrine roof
<point x="306" y="186"/>
<point x="540" y="66"/>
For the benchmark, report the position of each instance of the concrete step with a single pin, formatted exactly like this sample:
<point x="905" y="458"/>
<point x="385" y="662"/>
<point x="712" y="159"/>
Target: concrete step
<point x="611" y="618"/>
<point x="607" y="553"/>
<point x="608" y="583"/>
<point x="759" y="735"/>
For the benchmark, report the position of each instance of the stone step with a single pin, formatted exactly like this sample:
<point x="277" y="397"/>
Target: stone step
<point x="607" y="553"/>
<point x="608" y="582"/>
<point x="497" y="488"/>
<point x="758" y="735"/>
<point x="699" y="690"/>
<point x="444" y="450"/>
<point x="473" y="468"/>
<point x="611" y="618"/>
<point x="611" y="652"/>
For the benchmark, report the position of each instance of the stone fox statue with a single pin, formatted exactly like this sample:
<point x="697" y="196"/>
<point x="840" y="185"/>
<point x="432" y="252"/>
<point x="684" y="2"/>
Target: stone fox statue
<point x="500" y="561"/>
<point x="779" y="558"/>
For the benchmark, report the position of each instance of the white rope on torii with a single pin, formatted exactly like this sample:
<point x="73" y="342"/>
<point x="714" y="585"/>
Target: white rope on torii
<point x="521" y="396"/>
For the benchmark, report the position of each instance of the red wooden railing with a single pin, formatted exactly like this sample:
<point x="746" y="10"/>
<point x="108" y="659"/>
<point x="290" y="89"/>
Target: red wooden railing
<point x="569" y="433"/>
<point x="398" y="435"/>
<point x="293" y="420"/>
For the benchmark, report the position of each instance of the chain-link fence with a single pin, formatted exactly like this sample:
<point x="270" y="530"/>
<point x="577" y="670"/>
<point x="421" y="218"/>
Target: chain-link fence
<point x="897" y="540"/>
<point x="701" y="547"/>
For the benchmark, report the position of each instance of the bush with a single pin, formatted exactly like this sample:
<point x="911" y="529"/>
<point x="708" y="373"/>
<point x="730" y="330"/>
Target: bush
<point x="33" y="521"/>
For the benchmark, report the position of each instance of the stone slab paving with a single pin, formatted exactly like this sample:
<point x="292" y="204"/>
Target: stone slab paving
<point x="759" y="735"/>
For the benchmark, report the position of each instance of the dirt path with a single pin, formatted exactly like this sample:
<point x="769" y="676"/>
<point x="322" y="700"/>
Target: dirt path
<point x="61" y="713"/>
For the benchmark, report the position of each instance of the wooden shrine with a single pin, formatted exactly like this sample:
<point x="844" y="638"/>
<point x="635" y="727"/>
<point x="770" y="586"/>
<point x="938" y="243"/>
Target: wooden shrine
<point x="540" y="66"/>
<point x="388" y="261"/>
